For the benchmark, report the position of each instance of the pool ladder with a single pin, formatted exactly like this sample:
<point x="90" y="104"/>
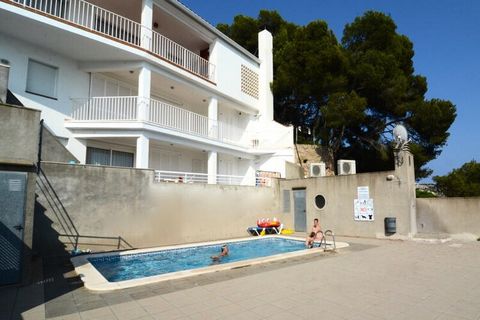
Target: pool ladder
<point x="324" y="241"/>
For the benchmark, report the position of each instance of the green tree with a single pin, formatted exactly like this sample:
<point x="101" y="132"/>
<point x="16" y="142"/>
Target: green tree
<point x="351" y="94"/>
<point x="461" y="182"/>
<point x="381" y="71"/>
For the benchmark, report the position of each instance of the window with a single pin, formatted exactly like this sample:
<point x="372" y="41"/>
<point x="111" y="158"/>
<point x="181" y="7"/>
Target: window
<point x="42" y="79"/>
<point x="104" y="157"/>
<point x="122" y="159"/>
<point x="320" y="201"/>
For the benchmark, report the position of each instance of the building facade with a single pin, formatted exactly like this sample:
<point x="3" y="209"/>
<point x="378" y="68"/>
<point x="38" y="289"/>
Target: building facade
<point x="146" y="84"/>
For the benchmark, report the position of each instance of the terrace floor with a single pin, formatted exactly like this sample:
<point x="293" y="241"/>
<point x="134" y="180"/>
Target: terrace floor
<point x="372" y="279"/>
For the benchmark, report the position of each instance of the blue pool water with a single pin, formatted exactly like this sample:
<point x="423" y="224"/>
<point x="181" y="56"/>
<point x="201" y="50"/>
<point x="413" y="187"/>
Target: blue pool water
<point x="134" y="266"/>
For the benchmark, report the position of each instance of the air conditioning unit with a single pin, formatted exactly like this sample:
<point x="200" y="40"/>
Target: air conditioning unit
<point x="346" y="167"/>
<point x="317" y="169"/>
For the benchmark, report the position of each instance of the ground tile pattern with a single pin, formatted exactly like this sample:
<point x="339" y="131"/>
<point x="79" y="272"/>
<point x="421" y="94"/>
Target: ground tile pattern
<point x="373" y="279"/>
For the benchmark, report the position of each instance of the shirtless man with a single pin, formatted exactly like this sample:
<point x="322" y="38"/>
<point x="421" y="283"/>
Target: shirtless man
<point x="317" y="229"/>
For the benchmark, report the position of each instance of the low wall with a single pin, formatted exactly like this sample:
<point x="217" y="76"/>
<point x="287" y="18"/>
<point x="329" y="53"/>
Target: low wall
<point x="449" y="215"/>
<point x="19" y="130"/>
<point x="106" y="201"/>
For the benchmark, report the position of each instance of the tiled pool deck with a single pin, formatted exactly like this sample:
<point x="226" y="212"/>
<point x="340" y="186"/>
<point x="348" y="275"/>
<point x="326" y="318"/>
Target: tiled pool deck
<point x="372" y="279"/>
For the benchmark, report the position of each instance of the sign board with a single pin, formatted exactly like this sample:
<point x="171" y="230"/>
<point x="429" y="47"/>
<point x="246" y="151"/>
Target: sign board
<point x="363" y="193"/>
<point x="363" y="210"/>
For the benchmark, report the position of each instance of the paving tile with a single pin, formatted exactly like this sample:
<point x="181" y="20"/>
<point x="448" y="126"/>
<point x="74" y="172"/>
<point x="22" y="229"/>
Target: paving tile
<point x="97" y="313"/>
<point x="173" y="313"/>
<point x="75" y="316"/>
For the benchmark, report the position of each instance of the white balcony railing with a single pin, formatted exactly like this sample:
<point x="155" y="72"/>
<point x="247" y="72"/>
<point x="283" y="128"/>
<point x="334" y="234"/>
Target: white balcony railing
<point x="175" y="53"/>
<point x="105" y="109"/>
<point x="160" y="114"/>
<point x="108" y="23"/>
<point x="202" y="178"/>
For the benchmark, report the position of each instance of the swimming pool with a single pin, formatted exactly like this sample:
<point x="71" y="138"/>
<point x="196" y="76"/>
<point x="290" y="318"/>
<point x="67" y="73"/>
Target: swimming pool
<point x="116" y="270"/>
<point x="134" y="266"/>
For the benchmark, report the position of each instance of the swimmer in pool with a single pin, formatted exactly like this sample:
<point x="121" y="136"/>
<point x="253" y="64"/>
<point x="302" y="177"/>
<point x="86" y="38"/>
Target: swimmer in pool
<point x="310" y="240"/>
<point x="223" y="253"/>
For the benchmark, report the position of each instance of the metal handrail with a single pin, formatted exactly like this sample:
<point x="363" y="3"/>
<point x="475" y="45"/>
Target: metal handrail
<point x="119" y="240"/>
<point x="324" y="240"/>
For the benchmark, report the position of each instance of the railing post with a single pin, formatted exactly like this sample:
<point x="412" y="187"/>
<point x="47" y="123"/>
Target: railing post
<point x="92" y="18"/>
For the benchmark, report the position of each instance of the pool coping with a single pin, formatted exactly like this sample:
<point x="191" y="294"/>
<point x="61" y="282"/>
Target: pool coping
<point x="94" y="280"/>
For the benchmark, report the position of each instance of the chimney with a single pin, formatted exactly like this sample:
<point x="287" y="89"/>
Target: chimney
<point x="265" y="54"/>
<point x="4" y="71"/>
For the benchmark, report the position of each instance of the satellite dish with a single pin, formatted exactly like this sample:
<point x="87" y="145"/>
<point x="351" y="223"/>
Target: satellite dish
<point x="400" y="134"/>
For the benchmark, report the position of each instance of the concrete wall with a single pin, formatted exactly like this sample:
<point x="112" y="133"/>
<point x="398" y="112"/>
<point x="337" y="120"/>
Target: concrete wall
<point x="391" y="198"/>
<point x="106" y="201"/>
<point x="53" y="149"/>
<point x="293" y="171"/>
<point x="19" y="139"/>
<point x="19" y="131"/>
<point x="449" y="215"/>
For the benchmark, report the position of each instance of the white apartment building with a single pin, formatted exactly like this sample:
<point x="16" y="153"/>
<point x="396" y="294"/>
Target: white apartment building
<point x="146" y="84"/>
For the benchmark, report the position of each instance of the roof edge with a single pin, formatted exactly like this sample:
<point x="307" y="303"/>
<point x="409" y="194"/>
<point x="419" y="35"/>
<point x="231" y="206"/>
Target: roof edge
<point x="210" y="27"/>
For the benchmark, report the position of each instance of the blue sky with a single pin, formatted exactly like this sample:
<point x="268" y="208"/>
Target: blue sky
<point x="446" y="37"/>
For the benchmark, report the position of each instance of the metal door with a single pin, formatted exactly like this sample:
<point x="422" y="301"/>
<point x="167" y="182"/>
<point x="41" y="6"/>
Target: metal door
<point x="300" y="210"/>
<point x="12" y="206"/>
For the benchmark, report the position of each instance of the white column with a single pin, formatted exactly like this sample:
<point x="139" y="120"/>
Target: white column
<point x="147" y="21"/>
<point x="250" y="177"/>
<point x="265" y="54"/>
<point x="212" y="167"/>
<point x="144" y="84"/>
<point x="142" y="153"/>
<point x="213" y="59"/>
<point x="213" y="117"/>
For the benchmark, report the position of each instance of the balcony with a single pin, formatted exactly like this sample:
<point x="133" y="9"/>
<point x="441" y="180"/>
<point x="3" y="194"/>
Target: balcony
<point x="158" y="113"/>
<point x="98" y="20"/>
<point x="202" y="178"/>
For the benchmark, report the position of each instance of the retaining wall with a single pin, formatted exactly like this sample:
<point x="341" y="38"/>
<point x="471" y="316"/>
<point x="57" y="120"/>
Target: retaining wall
<point x="449" y="215"/>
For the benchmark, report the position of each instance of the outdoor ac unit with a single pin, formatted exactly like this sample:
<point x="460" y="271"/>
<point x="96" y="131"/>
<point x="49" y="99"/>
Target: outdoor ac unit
<point x="317" y="169"/>
<point x="346" y="167"/>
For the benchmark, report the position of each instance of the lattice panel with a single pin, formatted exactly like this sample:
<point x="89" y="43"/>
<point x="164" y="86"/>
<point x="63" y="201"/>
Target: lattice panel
<point x="249" y="82"/>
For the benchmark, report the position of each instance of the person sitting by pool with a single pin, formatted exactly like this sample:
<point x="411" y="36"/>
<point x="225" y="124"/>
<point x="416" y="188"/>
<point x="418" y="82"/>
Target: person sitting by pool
<point x="317" y="229"/>
<point x="310" y="240"/>
<point x="223" y="252"/>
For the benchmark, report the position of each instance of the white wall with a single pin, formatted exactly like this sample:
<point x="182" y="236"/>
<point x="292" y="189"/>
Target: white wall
<point x="228" y="72"/>
<point x="72" y="82"/>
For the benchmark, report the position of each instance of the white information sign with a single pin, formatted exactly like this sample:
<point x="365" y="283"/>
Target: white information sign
<point x="363" y="210"/>
<point x="14" y="185"/>
<point x="363" y="193"/>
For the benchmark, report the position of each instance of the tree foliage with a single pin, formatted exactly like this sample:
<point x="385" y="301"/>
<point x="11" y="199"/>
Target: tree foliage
<point x="350" y="93"/>
<point x="461" y="182"/>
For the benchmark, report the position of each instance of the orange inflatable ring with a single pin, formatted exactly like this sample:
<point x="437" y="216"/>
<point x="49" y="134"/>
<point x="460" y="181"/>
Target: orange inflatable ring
<point x="267" y="223"/>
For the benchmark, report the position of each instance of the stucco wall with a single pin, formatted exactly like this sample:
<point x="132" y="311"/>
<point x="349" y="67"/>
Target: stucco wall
<point x="449" y="215"/>
<point x="19" y="130"/>
<point x="391" y="198"/>
<point x="53" y="149"/>
<point x="105" y="201"/>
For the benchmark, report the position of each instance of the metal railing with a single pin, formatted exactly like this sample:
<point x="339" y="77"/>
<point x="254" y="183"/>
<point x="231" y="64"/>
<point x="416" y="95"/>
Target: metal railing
<point x="108" y="23"/>
<point x="202" y="178"/>
<point x="159" y="113"/>
<point x="89" y="16"/>
<point x="179" y="55"/>
<point x="105" y="108"/>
